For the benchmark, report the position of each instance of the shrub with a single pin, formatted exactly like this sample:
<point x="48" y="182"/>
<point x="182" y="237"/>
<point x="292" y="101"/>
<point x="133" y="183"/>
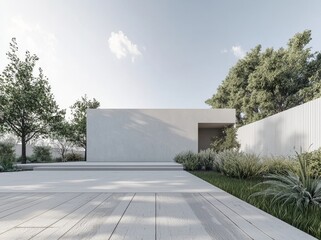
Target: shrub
<point x="238" y="164"/>
<point x="179" y="158"/>
<point x="7" y="156"/>
<point x="19" y="159"/>
<point x="74" y="157"/>
<point x="228" y="140"/>
<point x="297" y="188"/>
<point x="314" y="162"/>
<point x="41" y="154"/>
<point x="279" y="165"/>
<point x="58" y="159"/>
<point x="221" y="157"/>
<point x="206" y="158"/>
<point x="189" y="160"/>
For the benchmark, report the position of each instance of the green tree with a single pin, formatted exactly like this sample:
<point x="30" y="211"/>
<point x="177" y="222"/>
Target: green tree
<point x="27" y="105"/>
<point x="61" y="137"/>
<point x="277" y="81"/>
<point x="79" y="117"/>
<point x="228" y="140"/>
<point x="233" y="92"/>
<point x="313" y="90"/>
<point x="268" y="82"/>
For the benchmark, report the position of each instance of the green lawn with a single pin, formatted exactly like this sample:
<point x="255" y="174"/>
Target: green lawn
<point x="308" y="220"/>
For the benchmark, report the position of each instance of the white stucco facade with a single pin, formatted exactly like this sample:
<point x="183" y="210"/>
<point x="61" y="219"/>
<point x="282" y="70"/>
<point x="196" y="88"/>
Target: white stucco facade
<point x="148" y="134"/>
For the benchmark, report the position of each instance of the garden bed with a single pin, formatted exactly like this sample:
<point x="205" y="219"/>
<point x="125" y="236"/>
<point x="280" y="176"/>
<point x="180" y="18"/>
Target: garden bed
<point x="308" y="220"/>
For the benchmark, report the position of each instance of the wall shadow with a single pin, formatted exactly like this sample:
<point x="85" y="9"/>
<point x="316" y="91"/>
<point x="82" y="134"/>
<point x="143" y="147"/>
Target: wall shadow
<point x="269" y="137"/>
<point x="126" y="135"/>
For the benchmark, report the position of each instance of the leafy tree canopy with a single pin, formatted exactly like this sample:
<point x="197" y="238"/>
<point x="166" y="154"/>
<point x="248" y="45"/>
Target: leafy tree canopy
<point x="79" y="114"/>
<point x="267" y="82"/>
<point x="27" y="106"/>
<point x="228" y="140"/>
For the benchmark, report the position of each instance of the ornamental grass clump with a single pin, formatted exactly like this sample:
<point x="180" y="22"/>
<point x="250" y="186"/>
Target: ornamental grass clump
<point x="222" y="157"/>
<point x="238" y="164"/>
<point x="297" y="188"/>
<point x="206" y="158"/>
<point x="189" y="160"/>
<point x="279" y="165"/>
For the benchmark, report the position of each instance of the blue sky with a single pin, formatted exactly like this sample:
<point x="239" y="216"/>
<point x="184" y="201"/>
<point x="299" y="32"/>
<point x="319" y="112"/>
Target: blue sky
<point x="144" y="53"/>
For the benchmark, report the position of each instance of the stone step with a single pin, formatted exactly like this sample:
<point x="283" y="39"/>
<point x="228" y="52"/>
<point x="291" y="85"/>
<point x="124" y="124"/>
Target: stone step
<point x="109" y="168"/>
<point x="102" y="166"/>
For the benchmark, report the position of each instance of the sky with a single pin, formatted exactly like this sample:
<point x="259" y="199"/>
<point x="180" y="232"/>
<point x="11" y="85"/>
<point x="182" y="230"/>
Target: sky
<point x="148" y="53"/>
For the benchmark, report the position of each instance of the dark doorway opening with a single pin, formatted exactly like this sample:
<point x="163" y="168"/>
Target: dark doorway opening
<point x="206" y="131"/>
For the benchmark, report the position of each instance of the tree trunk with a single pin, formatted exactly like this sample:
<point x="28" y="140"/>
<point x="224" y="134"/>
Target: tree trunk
<point x="23" y="150"/>
<point x="85" y="153"/>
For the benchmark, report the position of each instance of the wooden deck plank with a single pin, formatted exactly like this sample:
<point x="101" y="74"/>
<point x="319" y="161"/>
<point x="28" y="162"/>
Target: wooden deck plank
<point x="45" y="204"/>
<point x="11" y="200"/>
<point x="159" y="216"/>
<point x="138" y="222"/>
<point x="18" y="207"/>
<point x="271" y="226"/>
<point x="55" y="214"/>
<point x="25" y="198"/>
<point x="101" y="222"/>
<point x="214" y="222"/>
<point x="239" y="221"/>
<point x="20" y="233"/>
<point x="4" y="195"/>
<point x="176" y="220"/>
<point x="61" y="227"/>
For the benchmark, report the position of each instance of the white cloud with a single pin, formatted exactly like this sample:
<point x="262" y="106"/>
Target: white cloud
<point x="238" y="51"/>
<point x="224" y="51"/>
<point x="122" y="47"/>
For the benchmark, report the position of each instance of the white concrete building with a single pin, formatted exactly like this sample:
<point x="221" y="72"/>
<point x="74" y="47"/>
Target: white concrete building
<point x="123" y="135"/>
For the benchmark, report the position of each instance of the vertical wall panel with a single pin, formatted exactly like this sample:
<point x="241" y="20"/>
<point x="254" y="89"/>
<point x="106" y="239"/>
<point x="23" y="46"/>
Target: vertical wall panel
<point x="284" y="133"/>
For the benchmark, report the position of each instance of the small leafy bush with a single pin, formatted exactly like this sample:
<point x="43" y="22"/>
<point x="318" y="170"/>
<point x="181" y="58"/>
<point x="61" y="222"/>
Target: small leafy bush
<point x="297" y="188"/>
<point x="227" y="141"/>
<point x="180" y="157"/>
<point x="279" y="165"/>
<point x="41" y="154"/>
<point x="74" y="157"/>
<point x="314" y="162"/>
<point x="7" y="156"/>
<point x="189" y="160"/>
<point x="206" y="158"/>
<point x="58" y="159"/>
<point x="238" y="164"/>
<point x="19" y="159"/>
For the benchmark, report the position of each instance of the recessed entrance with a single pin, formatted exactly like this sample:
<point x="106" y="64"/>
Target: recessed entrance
<point x="206" y="131"/>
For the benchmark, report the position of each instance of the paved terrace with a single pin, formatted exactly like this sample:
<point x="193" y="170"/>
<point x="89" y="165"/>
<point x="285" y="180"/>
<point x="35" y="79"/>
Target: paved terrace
<point x="128" y="205"/>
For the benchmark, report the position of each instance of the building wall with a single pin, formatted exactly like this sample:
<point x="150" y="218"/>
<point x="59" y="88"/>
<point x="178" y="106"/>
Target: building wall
<point x="147" y="134"/>
<point x="284" y="133"/>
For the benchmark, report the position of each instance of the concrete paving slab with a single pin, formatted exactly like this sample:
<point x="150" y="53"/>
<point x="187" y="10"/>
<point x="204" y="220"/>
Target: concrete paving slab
<point x="103" y="181"/>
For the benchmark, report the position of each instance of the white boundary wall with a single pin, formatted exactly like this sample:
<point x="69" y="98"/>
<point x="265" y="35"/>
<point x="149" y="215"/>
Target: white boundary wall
<point x="153" y="135"/>
<point x="284" y="133"/>
<point x="54" y="151"/>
